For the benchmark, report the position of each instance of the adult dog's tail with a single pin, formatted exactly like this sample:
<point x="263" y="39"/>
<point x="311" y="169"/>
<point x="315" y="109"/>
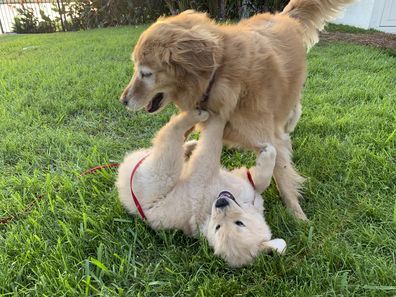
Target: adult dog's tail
<point x="313" y="14"/>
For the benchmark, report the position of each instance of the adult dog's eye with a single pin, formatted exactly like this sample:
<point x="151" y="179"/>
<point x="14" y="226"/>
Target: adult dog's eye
<point x="217" y="227"/>
<point x="145" y="74"/>
<point x="240" y="224"/>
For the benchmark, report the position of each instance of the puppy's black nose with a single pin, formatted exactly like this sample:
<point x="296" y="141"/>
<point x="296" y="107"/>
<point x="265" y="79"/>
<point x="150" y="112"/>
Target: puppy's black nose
<point x="221" y="203"/>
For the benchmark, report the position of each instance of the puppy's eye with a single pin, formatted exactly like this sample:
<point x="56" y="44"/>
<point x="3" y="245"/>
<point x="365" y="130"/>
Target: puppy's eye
<point x="217" y="227"/>
<point x="240" y="224"/>
<point x="145" y="74"/>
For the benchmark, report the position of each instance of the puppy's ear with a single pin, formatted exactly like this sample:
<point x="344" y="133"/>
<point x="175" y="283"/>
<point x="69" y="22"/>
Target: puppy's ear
<point x="275" y="245"/>
<point x="193" y="52"/>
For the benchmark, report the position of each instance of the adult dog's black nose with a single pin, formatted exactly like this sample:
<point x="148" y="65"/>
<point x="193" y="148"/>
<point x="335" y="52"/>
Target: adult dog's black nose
<point x="124" y="100"/>
<point x="222" y="202"/>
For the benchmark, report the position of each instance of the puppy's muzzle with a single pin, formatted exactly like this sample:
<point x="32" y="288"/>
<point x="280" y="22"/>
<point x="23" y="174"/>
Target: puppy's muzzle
<point x="223" y="200"/>
<point x="221" y="203"/>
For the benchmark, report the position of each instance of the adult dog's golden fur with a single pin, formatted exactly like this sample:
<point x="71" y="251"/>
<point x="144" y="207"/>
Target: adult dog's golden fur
<point x="258" y="67"/>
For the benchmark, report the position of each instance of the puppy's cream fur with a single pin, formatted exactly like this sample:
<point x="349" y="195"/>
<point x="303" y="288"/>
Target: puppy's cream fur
<point x="259" y="66"/>
<point x="178" y="185"/>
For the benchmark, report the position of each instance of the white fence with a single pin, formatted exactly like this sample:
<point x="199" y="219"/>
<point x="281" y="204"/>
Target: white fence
<point x="8" y="11"/>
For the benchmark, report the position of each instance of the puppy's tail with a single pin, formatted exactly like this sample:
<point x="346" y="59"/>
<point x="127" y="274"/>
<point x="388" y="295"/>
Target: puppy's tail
<point x="313" y="14"/>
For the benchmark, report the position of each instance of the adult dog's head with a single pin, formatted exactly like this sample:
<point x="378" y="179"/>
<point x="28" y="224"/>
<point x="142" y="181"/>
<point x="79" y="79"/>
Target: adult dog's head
<point x="238" y="232"/>
<point x="174" y="60"/>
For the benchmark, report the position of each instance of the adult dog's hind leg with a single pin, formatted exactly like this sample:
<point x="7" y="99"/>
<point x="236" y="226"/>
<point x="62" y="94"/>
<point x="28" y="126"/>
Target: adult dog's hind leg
<point x="293" y="118"/>
<point x="287" y="179"/>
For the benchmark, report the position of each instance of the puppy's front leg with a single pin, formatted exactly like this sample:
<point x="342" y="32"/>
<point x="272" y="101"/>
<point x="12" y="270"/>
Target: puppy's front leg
<point x="165" y="162"/>
<point x="264" y="169"/>
<point x="205" y="161"/>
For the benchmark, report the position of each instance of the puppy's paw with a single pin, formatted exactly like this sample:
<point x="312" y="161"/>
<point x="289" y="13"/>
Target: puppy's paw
<point x="278" y="245"/>
<point x="267" y="155"/>
<point x="265" y="147"/>
<point x="198" y="115"/>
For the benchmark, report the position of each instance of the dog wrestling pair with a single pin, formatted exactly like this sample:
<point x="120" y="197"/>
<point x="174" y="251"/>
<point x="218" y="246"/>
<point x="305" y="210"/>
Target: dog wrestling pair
<point x="182" y="186"/>
<point x="246" y="80"/>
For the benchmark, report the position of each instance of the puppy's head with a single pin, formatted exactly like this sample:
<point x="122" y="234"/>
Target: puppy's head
<point x="237" y="232"/>
<point x="173" y="61"/>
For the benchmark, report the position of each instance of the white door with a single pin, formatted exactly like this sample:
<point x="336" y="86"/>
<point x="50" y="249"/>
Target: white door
<point x="388" y="18"/>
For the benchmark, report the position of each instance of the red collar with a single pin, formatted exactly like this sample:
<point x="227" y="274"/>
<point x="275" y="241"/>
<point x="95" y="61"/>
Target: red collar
<point x="137" y="204"/>
<point x="250" y="178"/>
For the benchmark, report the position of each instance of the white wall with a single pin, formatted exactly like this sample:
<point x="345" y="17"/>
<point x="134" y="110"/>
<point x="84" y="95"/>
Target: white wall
<point x="358" y="14"/>
<point x="376" y="14"/>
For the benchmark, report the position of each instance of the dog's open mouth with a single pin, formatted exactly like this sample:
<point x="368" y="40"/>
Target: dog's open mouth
<point x="226" y="194"/>
<point x="155" y="103"/>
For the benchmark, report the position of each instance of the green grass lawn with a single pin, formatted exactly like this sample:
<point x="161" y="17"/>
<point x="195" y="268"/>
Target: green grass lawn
<point x="59" y="115"/>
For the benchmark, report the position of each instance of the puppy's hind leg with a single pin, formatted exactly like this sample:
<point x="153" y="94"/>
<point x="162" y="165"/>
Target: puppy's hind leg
<point x="287" y="179"/>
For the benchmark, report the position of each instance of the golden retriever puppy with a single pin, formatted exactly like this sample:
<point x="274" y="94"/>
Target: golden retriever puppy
<point x="177" y="185"/>
<point x="251" y="73"/>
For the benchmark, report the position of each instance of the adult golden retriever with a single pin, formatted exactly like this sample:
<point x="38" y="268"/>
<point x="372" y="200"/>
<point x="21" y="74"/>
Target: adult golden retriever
<point x="251" y="73"/>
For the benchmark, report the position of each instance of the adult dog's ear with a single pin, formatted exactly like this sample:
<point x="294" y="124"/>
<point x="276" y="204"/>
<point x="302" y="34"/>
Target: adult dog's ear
<point x="195" y="51"/>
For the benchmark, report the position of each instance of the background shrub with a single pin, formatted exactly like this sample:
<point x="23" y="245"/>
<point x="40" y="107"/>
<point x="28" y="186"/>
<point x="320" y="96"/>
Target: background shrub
<point x="84" y="14"/>
<point x="28" y="22"/>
